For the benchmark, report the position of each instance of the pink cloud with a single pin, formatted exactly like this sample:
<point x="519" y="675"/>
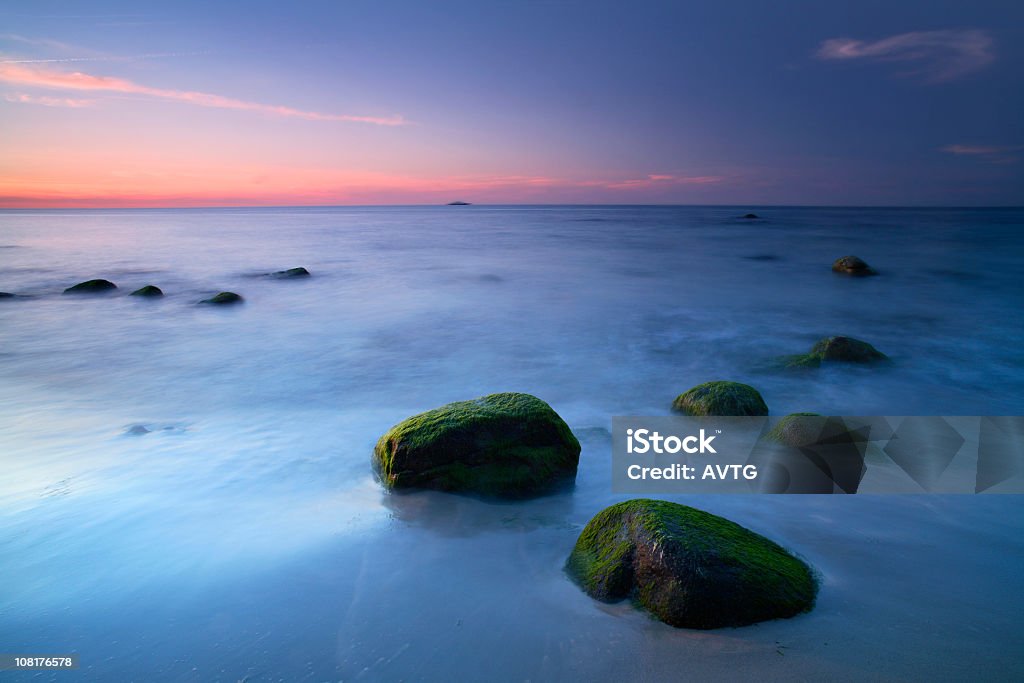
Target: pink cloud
<point x="934" y="55"/>
<point x="22" y="98"/>
<point x="11" y="72"/>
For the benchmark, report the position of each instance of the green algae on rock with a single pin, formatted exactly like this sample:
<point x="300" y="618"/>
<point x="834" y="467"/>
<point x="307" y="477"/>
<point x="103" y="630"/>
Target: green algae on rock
<point x="852" y="265"/>
<point x="223" y="298"/>
<point x="797" y="429"/>
<point x="91" y="286"/>
<point x="721" y="399"/>
<point x="507" y="445"/>
<point x="148" y="291"/>
<point x="836" y="349"/>
<point x="689" y="568"/>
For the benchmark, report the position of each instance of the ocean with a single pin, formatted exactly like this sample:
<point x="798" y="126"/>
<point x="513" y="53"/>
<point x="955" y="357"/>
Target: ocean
<point x="187" y="492"/>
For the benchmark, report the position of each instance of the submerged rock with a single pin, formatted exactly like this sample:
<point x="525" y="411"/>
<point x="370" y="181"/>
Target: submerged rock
<point x="503" y="445"/>
<point x="148" y="290"/>
<point x="689" y="568"/>
<point x="721" y="399"/>
<point x="750" y="215"/>
<point x="852" y="265"/>
<point x="837" y="349"/>
<point x="90" y="286"/>
<point x="291" y="272"/>
<point x="223" y="298"/>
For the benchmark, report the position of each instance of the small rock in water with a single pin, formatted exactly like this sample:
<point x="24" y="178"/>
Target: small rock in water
<point x="837" y="349"/>
<point x="137" y="430"/>
<point x="223" y="298"/>
<point x="721" y="399"/>
<point x="90" y="286"/>
<point x="291" y="272"/>
<point x="689" y="568"/>
<point x="6" y="295"/>
<point x="852" y="265"/>
<point x="751" y="215"/>
<point x="148" y="290"/>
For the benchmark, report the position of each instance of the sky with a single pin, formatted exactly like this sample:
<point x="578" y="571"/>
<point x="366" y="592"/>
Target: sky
<point x="232" y="103"/>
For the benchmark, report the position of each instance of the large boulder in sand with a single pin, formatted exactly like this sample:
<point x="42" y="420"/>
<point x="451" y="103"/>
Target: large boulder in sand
<point x="689" y="568"/>
<point x="852" y="265"/>
<point x="503" y="445"/>
<point x="223" y="299"/>
<point x="837" y="349"/>
<point x="91" y="287"/>
<point x="721" y="399"/>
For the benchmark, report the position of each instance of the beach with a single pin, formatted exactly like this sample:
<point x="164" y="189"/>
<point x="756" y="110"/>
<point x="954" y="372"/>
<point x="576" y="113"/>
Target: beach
<point x="188" y="492"/>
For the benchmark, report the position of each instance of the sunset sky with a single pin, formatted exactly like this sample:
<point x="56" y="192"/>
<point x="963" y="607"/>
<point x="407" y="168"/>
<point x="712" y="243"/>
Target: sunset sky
<point x="134" y="104"/>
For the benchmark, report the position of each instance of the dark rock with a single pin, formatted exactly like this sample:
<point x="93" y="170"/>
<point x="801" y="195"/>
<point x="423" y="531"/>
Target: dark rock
<point x="722" y="399"/>
<point x="148" y="290"/>
<point x="502" y="445"/>
<point x="689" y="568"/>
<point x="837" y="349"/>
<point x="223" y="298"/>
<point x="91" y="286"/>
<point x="290" y="273"/>
<point x="6" y="295"/>
<point x="852" y="265"/>
<point x="137" y="430"/>
<point x="751" y="215"/>
<point x="459" y="204"/>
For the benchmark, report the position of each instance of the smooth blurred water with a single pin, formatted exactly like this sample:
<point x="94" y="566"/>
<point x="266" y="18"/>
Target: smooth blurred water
<point x="243" y="537"/>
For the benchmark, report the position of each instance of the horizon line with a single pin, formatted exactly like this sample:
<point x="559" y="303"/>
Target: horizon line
<point x="522" y="204"/>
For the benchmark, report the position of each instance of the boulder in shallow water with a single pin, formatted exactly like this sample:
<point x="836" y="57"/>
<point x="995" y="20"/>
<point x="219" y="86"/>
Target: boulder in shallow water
<point x="689" y="568"/>
<point x="837" y="349"/>
<point x="798" y="429"/>
<point x="148" y="291"/>
<point x="852" y="265"/>
<point x="224" y="298"/>
<point x="290" y="273"/>
<point x="91" y="287"/>
<point x="506" y="445"/>
<point x="721" y="399"/>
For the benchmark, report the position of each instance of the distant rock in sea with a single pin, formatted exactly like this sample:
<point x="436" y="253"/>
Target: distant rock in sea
<point x="6" y="295"/>
<point x="223" y="298"/>
<point x="689" y="568"/>
<point x="290" y="273"/>
<point x="91" y="287"/>
<point x="148" y="291"/>
<point x="836" y="349"/>
<point x="751" y="216"/>
<point x="503" y="445"/>
<point x="721" y="399"/>
<point x="459" y="204"/>
<point x="852" y="265"/>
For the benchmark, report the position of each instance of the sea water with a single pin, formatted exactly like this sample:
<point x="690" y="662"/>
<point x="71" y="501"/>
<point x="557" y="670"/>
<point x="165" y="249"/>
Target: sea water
<point x="187" y="493"/>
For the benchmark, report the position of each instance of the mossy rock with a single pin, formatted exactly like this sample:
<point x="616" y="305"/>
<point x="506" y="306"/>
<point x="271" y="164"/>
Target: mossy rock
<point x="689" y="568"/>
<point x="223" y="298"/>
<point x="290" y="273"/>
<point x="721" y="399"/>
<point x="838" y="350"/>
<point x="91" y="287"/>
<point x="148" y="291"/>
<point x="503" y="445"/>
<point x="797" y="429"/>
<point x="852" y="265"/>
